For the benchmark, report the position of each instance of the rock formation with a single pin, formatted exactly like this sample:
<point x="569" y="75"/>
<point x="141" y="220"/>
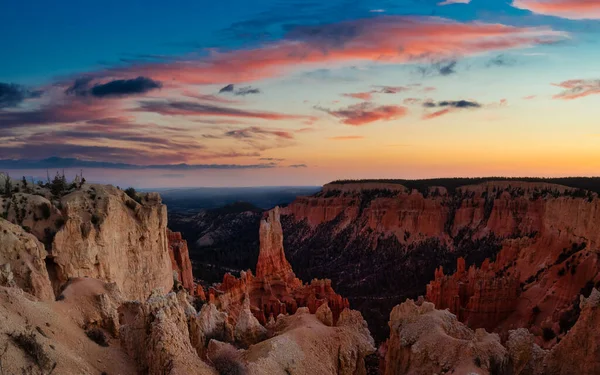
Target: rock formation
<point x="428" y="341"/>
<point x="478" y="297"/>
<point x="277" y="290"/>
<point x="22" y="262"/>
<point x="111" y="237"/>
<point x="180" y="261"/>
<point x="156" y="335"/>
<point x="393" y="238"/>
<point x="579" y="351"/>
<point x="304" y="345"/>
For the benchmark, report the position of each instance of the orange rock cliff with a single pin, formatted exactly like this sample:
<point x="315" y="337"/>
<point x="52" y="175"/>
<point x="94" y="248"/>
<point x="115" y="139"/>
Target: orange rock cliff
<point x="541" y="241"/>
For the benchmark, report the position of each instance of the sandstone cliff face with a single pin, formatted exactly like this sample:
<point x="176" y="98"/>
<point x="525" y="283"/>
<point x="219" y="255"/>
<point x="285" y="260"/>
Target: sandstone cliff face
<point x="277" y="290"/>
<point x="180" y="261"/>
<point x="108" y="236"/>
<point x="478" y="297"/>
<point x="579" y="351"/>
<point x="393" y="239"/>
<point x="22" y="263"/>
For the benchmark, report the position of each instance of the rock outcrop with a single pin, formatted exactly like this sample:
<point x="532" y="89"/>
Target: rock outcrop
<point x="271" y="259"/>
<point x="304" y="345"/>
<point x="22" y="262"/>
<point x="180" y="261"/>
<point x="393" y="238"/>
<point x="579" y="351"/>
<point x="155" y="333"/>
<point x="478" y="297"/>
<point x="277" y="290"/>
<point x="108" y="236"/>
<point x="428" y="341"/>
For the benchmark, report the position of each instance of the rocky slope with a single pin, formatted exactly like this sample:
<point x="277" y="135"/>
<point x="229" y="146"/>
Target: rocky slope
<point x="380" y="243"/>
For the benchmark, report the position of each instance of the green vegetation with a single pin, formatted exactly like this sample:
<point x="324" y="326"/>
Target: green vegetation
<point x="133" y="194"/>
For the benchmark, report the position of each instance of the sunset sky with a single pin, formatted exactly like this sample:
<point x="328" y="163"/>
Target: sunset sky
<point x="270" y="92"/>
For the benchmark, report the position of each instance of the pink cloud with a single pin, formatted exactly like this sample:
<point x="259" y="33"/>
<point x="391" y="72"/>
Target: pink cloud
<point x="387" y="39"/>
<point x="573" y="9"/>
<point x="529" y="97"/>
<point x="366" y="113"/>
<point x="360" y="95"/>
<point x="577" y="88"/>
<point x="437" y="114"/>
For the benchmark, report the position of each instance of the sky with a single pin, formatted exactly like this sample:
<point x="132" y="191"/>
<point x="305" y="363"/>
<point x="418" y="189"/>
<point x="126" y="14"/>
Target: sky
<point x="271" y="92"/>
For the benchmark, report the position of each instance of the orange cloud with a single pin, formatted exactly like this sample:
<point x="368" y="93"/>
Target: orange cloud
<point x="429" y="116"/>
<point x="387" y="39"/>
<point x="346" y="137"/>
<point x="366" y="113"/>
<point x="360" y="95"/>
<point x="577" y="88"/>
<point x="573" y="9"/>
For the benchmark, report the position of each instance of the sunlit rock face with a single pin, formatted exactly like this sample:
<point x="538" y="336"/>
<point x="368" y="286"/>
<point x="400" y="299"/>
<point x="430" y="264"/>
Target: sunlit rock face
<point x="534" y="247"/>
<point x="180" y="262"/>
<point x="108" y="236"/>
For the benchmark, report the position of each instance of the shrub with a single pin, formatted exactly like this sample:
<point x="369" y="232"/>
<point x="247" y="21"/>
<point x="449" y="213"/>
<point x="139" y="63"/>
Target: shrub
<point x="95" y="219"/>
<point x="132" y="193"/>
<point x="29" y="344"/>
<point x="548" y="334"/>
<point x="45" y="208"/>
<point x="59" y="223"/>
<point x="227" y="362"/>
<point x="98" y="336"/>
<point x="131" y="204"/>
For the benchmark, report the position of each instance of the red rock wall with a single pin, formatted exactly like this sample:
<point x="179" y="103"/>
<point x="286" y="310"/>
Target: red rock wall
<point x="180" y="261"/>
<point x="478" y="297"/>
<point x="535" y="228"/>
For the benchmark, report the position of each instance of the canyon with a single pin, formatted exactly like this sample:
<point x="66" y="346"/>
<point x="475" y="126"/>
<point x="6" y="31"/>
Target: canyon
<point x="498" y="277"/>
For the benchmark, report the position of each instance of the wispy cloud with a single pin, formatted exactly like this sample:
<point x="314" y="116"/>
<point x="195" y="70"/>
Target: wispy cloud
<point x="573" y="9"/>
<point x="366" y="113"/>
<point x="58" y="163"/>
<point x="11" y="95"/>
<point x="578" y="88"/>
<point x="184" y="108"/>
<point x="242" y="91"/>
<point x="448" y="2"/>
<point x="385" y="39"/>
<point x="501" y="60"/>
<point x="448" y="106"/>
<point x="119" y="87"/>
<point x="253" y="131"/>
